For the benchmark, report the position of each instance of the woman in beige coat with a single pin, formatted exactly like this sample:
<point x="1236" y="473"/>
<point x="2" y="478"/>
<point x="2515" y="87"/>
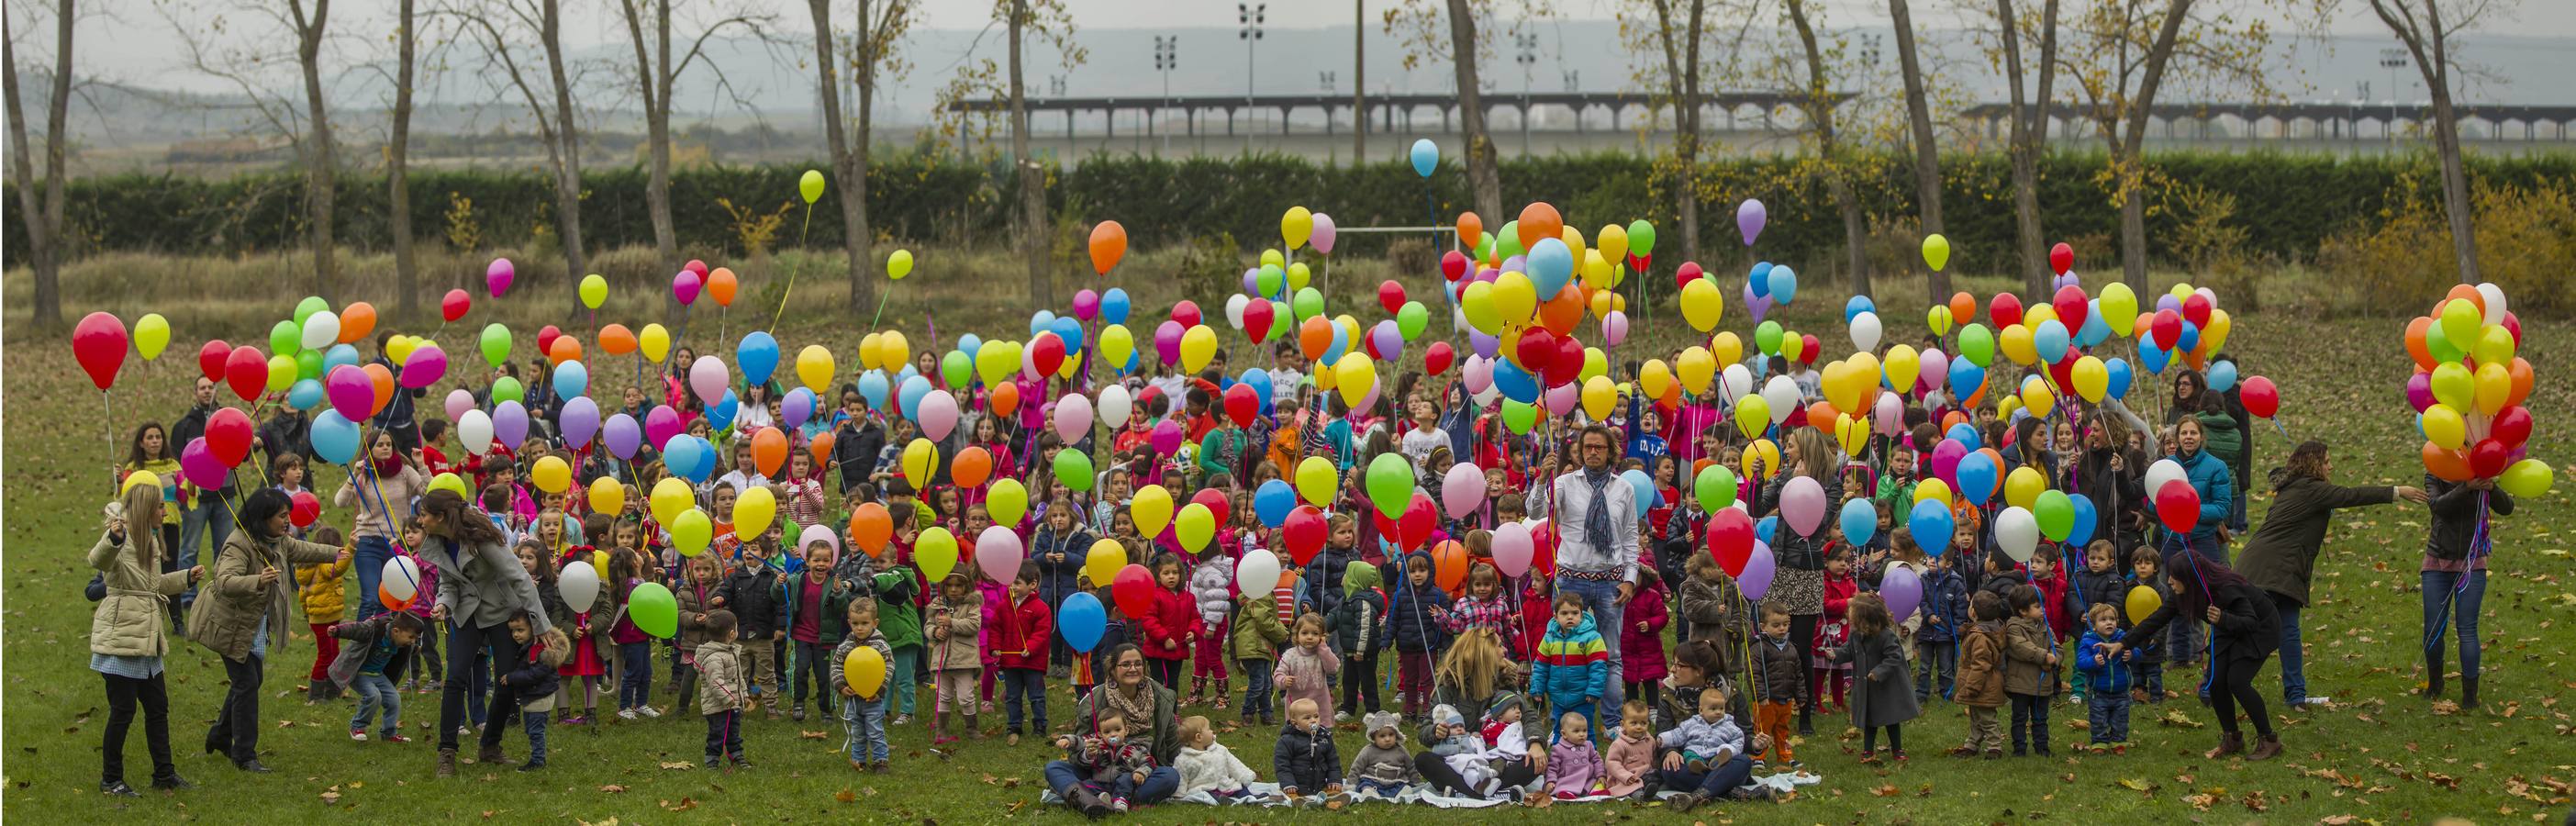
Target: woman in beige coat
<point x="242" y="615"/>
<point x="126" y="640"/>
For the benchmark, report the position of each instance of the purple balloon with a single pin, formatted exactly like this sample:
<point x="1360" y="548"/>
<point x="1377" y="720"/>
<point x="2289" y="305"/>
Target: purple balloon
<point x="661" y="424"/>
<point x="579" y="421"/>
<point x="1517" y="263"/>
<point x="1167" y="343"/>
<point x="2419" y="391"/>
<point x="623" y="436"/>
<point x="1749" y="218"/>
<point x="1167" y="436"/>
<point x="1758" y="568"/>
<point x="1086" y="304"/>
<point x="796" y="407"/>
<point x="198" y="463"/>
<point x="1484" y="345"/>
<point x="509" y="423"/>
<point x="1903" y="590"/>
<point x="2168" y="302"/>
<point x="352" y="394"/>
<point x="684" y="287"/>
<point x="1252" y="281"/>
<point x="498" y="275"/>
<point x="1388" y="340"/>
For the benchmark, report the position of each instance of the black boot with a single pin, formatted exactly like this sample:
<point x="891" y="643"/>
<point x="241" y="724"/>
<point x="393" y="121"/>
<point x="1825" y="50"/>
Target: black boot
<point x="2433" y="674"/>
<point x="2469" y="693"/>
<point x="1806" y="721"/>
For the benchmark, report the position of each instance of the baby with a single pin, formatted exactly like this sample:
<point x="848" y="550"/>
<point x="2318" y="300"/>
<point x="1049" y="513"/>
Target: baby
<point x="1382" y="767"/>
<point x="1111" y="761"/>
<point x="1574" y="769"/>
<point x="1207" y="765"/>
<point x="1460" y="748"/>
<point x="1707" y="739"/>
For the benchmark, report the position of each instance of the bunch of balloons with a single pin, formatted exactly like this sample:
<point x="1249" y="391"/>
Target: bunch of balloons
<point x="2468" y="391"/>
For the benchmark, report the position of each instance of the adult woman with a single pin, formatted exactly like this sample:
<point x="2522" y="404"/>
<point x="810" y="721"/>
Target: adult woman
<point x="1798" y="585"/>
<point x="2244" y="631"/>
<point x="150" y="451"/>
<point x="1147" y="705"/>
<point x="1474" y="677"/>
<point x="2188" y="386"/>
<point x="480" y="587"/>
<point x="2210" y="478"/>
<point x="381" y="488"/>
<point x="2030" y="448"/>
<point x="2455" y="574"/>
<point x="2281" y="556"/>
<point x="126" y="641"/>
<point x="245" y="619"/>
<point x="2112" y="477"/>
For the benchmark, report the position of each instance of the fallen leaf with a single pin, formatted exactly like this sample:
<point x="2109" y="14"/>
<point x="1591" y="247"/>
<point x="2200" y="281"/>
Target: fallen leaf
<point x="846" y="796"/>
<point x="1885" y="790"/>
<point x="612" y="788"/>
<point x="813" y="735"/>
<point x="678" y="765"/>
<point x="686" y="803"/>
<point x="330" y="798"/>
<point x="2138" y="784"/>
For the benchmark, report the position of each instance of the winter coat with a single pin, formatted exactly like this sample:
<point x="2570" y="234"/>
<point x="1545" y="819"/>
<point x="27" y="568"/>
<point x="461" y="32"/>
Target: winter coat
<point x="841" y="654"/>
<point x="1213" y="769"/>
<point x="1057" y="580"/>
<point x="1355" y="623"/>
<point x="534" y="678"/>
<point x="1641" y="653"/>
<point x="1715" y="611"/>
<point x="1164" y="731"/>
<point x="720" y="668"/>
<point x="482" y="585"/>
<point x="752" y="594"/>
<point x="1778" y="675"/>
<point x="1021" y="640"/>
<point x="964" y="619"/>
<point x="1574" y="767"/>
<point x="322" y="591"/>
<point x="1211" y="585"/>
<point x="2248" y="628"/>
<point x="1883" y="681"/>
<point x="1572" y="666"/>
<point x="2053" y="597"/>
<point x="1314" y="672"/>
<point x="831" y="618"/>
<point x="897" y="591"/>
<point x="1981" y="667"/>
<point x="1382" y="765"/>
<point x="1697" y="736"/>
<point x="2002" y="582"/>
<point x="1945" y="595"/>
<point x="2102" y="673"/>
<point x="2216" y="485"/>
<point x="1305" y="760"/>
<point x="1174" y="618"/>
<point x="2455" y="516"/>
<point x="2086" y="589"/>
<point x="1103" y="761"/>
<point x="1413" y="619"/>
<point x="128" y="621"/>
<point x="2281" y="556"/>
<point x="358" y="642"/>
<point x="2027" y="646"/>
<point x="1628" y="763"/>
<point x="694" y="600"/>
<point x="232" y="603"/>
<point x="1256" y="633"/>
<point x="2221" y="437"/>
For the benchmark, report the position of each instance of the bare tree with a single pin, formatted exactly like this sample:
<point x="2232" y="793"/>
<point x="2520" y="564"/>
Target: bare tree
<point x="648" y="27"/>
<point x="1449" y="31"/>
<point x="2029" y="129"/>
<point x="320" y="173"/>
<point x="42" y="213"/>
<point x="217" y="49"/>
<point x="1049" y="21"/>
<point x="398" y="161"/>
<point x="491" y="25"/>
<point x="871" y="52"/>
<point x="1359" y="82"/>
<point x="1927" y="151"/>
<point x="2420" y="25"/>
<point x="1817" y="100"/>
<point x="1678" y="42"/>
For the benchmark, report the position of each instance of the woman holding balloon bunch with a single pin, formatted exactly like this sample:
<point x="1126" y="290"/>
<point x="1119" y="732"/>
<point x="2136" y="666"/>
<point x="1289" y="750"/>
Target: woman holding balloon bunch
<point x="380" y="489"/>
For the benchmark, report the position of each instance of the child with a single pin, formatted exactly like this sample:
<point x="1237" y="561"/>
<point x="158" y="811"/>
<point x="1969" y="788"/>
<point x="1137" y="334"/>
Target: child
<point x="1253" y="643"/>
<point x="1354" y="620"/>
<point x="1207" y="765"/>
<point x="719" y="663"/>
<point x="1111" y="761"/>
<point x="897" y="591"/>
<point x="323" y="596"/>
<point x="1510" y="746"/>
<point x="1981" y="677"/>
<point x="1780" y="684"/>
<point x="1886" y="698"/>
<point x="1573" y="666"/>
<point x="1629" y="763"/>
<point x="956" y="618"/>
<point x="1460" y="748"/>
<point x="752" y="593"/>
<point x="1641" y="638"/>
<point x="1171" y="630"/>
<point x="699" y="598"/>
<point x="1834" y="630"/>
<point x="1210" y="581"/>
<point x="1936" y="642"/>
<point x="863" y="716"/>
<point x="815" y="603"/>
<point x="2030" y="669"/>
<point x="1305" y="757"/>
<point x="1382" y="767"/>
<point x="1020" y="643"/>
<point x="1484" y="607"/>
<point x="2107" y="712"/>
<point x="1304" y="672"/>
<point x="2046" y="574"/>
<point x="428" y="670"/>
<point x="2096" y="581"/>
<point x="1414" y="621"/>
<point x="2147" y="657"/>
<point x="1709" y="602"/>
<point x="378" y="650"/>
<point x="532" y="681"/>
<point x="1574" y="768"/>
<point x="626" y="572"/>
<point x="587" y="631"/>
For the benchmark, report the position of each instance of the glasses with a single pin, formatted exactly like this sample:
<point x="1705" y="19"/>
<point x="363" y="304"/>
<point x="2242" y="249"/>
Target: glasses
<point x="1131" y="665"/>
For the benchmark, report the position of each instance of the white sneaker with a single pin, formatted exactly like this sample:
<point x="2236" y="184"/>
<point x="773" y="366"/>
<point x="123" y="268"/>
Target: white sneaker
<point x="1341" y="716"/>
<point x="2318" y="701"/>
<point x="649" y="712"/>
<point x="627" y="714"/>
<point x="359" y="735"/>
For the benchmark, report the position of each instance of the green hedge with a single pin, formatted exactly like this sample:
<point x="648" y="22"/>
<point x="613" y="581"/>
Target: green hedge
<point x="2288" y="203"/>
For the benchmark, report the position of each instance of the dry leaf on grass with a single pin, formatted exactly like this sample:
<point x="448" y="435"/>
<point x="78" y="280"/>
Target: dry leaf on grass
<point x="846" y="796"/>
<point x="813" y="735"/>
<point x="685" y="804"/>
<point x="678" y="765"/>
<point x="612" y="788"/>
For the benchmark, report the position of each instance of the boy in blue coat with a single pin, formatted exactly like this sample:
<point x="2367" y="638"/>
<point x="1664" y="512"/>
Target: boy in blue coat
<point x="1572" y="667"/>
<point x="2107" y="707"/>
<point x="1945" y="618"/>
<point x="1413" y="622"/>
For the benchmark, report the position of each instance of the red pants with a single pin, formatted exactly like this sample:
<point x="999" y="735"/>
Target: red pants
<point x="1207" y="659"/>
<point x="325" y="649"/>
<point x="1773" y="719"/>
<point x="1413" y="680"/>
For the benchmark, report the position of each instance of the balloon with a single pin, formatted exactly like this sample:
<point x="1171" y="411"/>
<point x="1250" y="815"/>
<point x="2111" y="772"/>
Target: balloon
<point x="401" y="577"/>
<point x="1749" y="218"/>
<point x="1322" y="234"/>
<point x="444" y="481"/>
<point x="571" y="378"/>
<point x="98" y="341"/>
<point x="552" y="475"/>
<point x="1256" y="573"/>
<point x="1759" y="567"/>
<point x="1389" y="482"/>
<point x="691" y="531"/>
<point x="1425" y="156"/>
<point x="509" y="423"/>
<point x="935" y="553"/>
<point x="809" y="186"/>
<point x="1936" y="252"/>
<point x="654" y="341"/>
<point x="2017" y="533"/>
<point x="2163" y="471"/>
<point x="454" y="305"/>
<point x="1462" y="489"/>
<point x="655" y="612"/>
<point x="1802" y="505"/>
<point x="685" y="285"/>
<point x="1317" y="479"/>
<point x="1073" y="468"/>
<point x="579" y="586"/>
<point x="2178" y="506"/>
<point x="1133" y="587"/>
<point x="1151" y="507"/>
<point x="1194" y="527"/>
<point x="607" y="495"/>
<point x="2055" y="512"/>
<point x="2023" y="485"/>
<point x="1865" y="331"/>
<point x="1932" y="524"/>
<point x="1008" y="502"/>
<point x="1975" y="476"/>
<point x="871" y="528"/>
<point x="865" y="669"/>
<point x="998" y="554"/>
<point x="936" y="412"/>
<point x="1305" y="531"/>
<point x="1902" y="588"/>
<point x="2526" y="479"/>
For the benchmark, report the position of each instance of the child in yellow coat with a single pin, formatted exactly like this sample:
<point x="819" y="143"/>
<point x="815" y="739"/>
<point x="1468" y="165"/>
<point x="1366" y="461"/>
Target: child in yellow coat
<point x="321" y="590"/>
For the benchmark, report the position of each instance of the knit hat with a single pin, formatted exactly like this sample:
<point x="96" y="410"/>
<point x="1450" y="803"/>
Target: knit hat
<point x="1375" y="721"/>
<point x="1447" y="715"/>
<point x="1357" y="577"/>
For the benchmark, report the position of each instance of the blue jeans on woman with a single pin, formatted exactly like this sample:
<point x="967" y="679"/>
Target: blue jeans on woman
<point x="369" y="560"/>
<point x="1061" y="777"/>
<point x="2438" y="587"/>
<point x="2294" y="675"/>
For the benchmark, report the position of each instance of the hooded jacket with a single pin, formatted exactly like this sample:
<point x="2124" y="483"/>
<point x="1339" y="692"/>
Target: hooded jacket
<point x="1571" y="666"/>
<point x="128" y="621"/>
<point x="2281" y="556"/>
<point x="2455" y="515"/>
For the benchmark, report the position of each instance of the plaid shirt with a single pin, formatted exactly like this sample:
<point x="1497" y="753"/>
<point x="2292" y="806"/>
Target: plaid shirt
<point x="1492" y="615"/>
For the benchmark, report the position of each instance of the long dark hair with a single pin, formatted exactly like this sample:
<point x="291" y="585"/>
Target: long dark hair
<point x="134" y="457"/>
<point x="2201" y="578"/>
<point x="264" y="504"/>
<point x="462" y="522"/>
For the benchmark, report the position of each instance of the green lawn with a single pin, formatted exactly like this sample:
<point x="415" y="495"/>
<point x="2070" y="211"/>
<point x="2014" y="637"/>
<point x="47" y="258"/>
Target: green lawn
<point x="2378" y="755"/>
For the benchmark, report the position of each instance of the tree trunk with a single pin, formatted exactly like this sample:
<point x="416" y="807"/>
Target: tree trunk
<point x="2029" y="131"/>
<point x="1484" y="174"/>
<point x="568" y="145"/>
<point x="43" y="216"/>
<point x="397" y="171"/>
<point x="1927" y="152"/>
<point x="1359" y="82"/>
<point x="1681" y="70"/>
<point x="319" y="168"/>
<point x="653" y="77"/>
<point x="1032" y="176"/>
<point x="1819" y="103"/>
<point x="849" y="175"/>
<point x="2131" y="157"/>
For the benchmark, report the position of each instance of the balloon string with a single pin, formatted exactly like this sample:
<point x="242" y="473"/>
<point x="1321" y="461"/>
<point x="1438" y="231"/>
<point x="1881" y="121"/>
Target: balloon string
<point x="107" y="428"/>
<point x="2479" y="546"/>
<point x="793" y="270"/>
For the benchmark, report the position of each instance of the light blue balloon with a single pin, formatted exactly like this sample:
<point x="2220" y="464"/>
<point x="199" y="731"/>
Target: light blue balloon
<point x="1965" y="378"/>
<point x="307" y="394"/>
<point x="1114" y="305"/>
<point x="1041" y="321"/>
<point x="908" y="371"/>
<point x="1341" y="344"/>
<point x="1763" y="530"/>
<point x="1759" y="280"/>
<point x="1932" y="525"/>
<point x="910" y="393"/>
<point x="571" y="379"/>
<point x="2151" y="357"/>
<point x="1860" y="521"/>
<point x="1784" y="284"/>
<point x="720" y="415"/>
<point x="681" y="457"/>
<point x="1965" y="434"/>
<point x="1644" y="488"/>
<point x="970" y="342"/>
<point x="1857" y="305"/>
<point x="757" y="356"/>
<point x="1069" y="330"/>
<point x="1273" y="502"/>
<point x="1977" y="478"/>
<point x="2095" y="330"/>
<point x="335" y="439"/>
<point x="2120" y="377"/>
<point x="1426" y="157"/>
<point x="706" y="466"/>
<point x="2087" y="519"/>
<point x="1259" y="380"/>
<point x="1551" y="265"/>
<point x="1515" y="383"/>
<point x="2050" y="340"/>
<point x="874" y="387"/>
<point x="2222" y="375"/>
<point x="339" y="354"/>
<point x="1081" y="620"/>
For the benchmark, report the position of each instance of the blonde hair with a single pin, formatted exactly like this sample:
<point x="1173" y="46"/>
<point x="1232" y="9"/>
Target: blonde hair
<point x="1474" y="663"/>
<point x="2100" y="610"/>
<point x="1193" y="726"/>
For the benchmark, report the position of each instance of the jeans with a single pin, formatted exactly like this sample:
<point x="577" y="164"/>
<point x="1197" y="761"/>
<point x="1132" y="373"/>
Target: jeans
<point x="2463" y="607"/>
<point x="369" y="561"/>
<point x="212" y="518"/>
<point x="375" y="691"/>
<point x="536" y="725"/>
<point x="724" y="734"/>
<point x="1256" y="686"/>
<point x="2029" y="722"/>
<point x="1601" y="597"/>
<point x="478" y="684"/>
<point x="467" y="646"/>
<point x="1935" y="662"/>
<point x="123" y="694"/>
<point x="636" y="658"/>
<point x="2294" y="675"/>
<point x="864" y="723"/>
<point x="1028" y="684"/>
<point x="2148" y="676"/>
<point x="236" y="729"/>
<point x="1061" y="777"/>
<point x="899" y="679"/>
<point x="2108" y="714"/>
<point x="1716" y="782"/>
<point x="810" y="658"/>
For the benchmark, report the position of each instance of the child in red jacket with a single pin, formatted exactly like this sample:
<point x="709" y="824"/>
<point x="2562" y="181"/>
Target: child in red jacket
<point x="1020" y="645"/>
<point x="1172" y="628"/>
<point x="1835" y="630"/>
<point x="2046" y="576"/>
<point x="1641" y="639"/>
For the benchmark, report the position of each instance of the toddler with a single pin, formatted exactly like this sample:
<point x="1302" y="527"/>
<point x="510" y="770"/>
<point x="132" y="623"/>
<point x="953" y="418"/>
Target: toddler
<point x="1207" y="765"/>
<point x="1305" y="756"/>
<point x="863" y="716"/>
<point x="2107" y="708"/>
<point x="1382" y="767"/>
<point x="1574" y="768"/>
<point x="1981" y="676"/>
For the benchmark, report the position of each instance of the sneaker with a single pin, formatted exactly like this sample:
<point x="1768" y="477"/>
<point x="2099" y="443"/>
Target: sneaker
<point x="574" y="720"/>
<point x="797" y="712"/>
<point x="358" y="734"/>
<point x="740" y="763"/>
<point x="173" y="783"/>
<point x="628" y="715"/>
<point x="119" y="789"/>
<point x="1118" y="805"/>
<point x="714" y="763"/>
<point x="1341" y="716"/>
<point x="900" y="720"/>
<point x="1964" y="751"/>
<point x="532" y="765"/>
<point x="1994" y="754"/>
<point x="649" y="712"/>
<point x="393" y="737"/>
<point x="1900" y="755"/>
<point x="1696" y="766"/>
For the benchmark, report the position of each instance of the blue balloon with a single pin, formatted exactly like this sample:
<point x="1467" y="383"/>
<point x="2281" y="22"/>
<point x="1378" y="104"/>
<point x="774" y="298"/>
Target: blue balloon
<point x="2120" y="377"/>
<point x="335" y="439"/>
<point x="757" y="356"/>
<point x="1857" y="305"/>
<point x="1081" y="620"/>
<point x="1860" y="521"/>
<point x="910" y="394"/>
<point x="571" y="379"/>
<point x="706" y="467"/>
<point x="2151" y="357"/>
<point x="1070" y="330"/>
<point x="1977" y="478"/>
<point x="1965" y="378"/>
<point x="2050" y="340"/>
<point x="1763" y="530"/>
<point x="2087" y="518"/>
<point x="2222" y="375"/>
<point x="874" y="387"/>
<point x="1041" y="321"/>
<point x="1784" y="284"/>
<point x="1966" y="435"/>
<point x="1759" y="280"/>
<point x="1932" y="525"/>
<point x="971" y="343"/>
<point x="1551" y="265"/>
<point x="1644" y="488"/>
<point x="1341" y="344"/>
<point x="1426" y="157"/>
<point x="1273" y="502"/>
<point x="2189" y="340"/>
<point x="1114" y="305"/>
<point x="2094" y="330"/>
<point x="1515" y="383"/>
<point x="339" y="354"/>
<point x="307" y="394"/>
<point x="720" y="415"/>
<point x="1259" y="380"/>
<point x="681" y="457"/>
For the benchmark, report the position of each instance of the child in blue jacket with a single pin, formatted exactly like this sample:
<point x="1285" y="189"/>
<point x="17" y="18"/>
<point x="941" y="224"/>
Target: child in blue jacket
<point x="2107" y="707"/>
<point x="1414" y="617"/>
<point x="1572" y="667"/>
<point x="1945" y="618"/>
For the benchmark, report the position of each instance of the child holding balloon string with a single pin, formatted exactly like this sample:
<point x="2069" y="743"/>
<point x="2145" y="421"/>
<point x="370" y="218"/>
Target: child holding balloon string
<point x="588" y="630"/>
<point x="319" y="591"/>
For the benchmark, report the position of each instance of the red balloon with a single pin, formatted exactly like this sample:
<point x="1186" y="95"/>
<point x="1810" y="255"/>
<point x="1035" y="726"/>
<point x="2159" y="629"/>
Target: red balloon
<point x="1419" y="520"/>
<point x="2511" y="426"/>
<point x="210" y="359"/>
<point x="453" y="307"/>
<point x="2166" y="328"/>
<point x="1187" y="313"/>
<point x="1537" y="348"/>
<point x="1046" y="352"/>
<point x="2489" y="457"/>
<point x="1809" y="349"/>
<point x="2062" y="369"/>
<point x="1133" y="588"/>
<point x="1242" y="404"/>
<point x="2263" y="399"/>
<point x="1215" y="502"/>
<point x="247" y="371"/>
<point x="1543" y="548"/>
<point x="1730" y="540"/>
<point x="546" y="338"/>
<point x="2070" y="305"/>
<point x="228" y="435"/>
<point x="99" y="342"/>
<point x="304" y="508"/>
<point x="696" y="266"/>
<point x="1688" y="272"/>
<point x="1437" y="358"/>
<point x="1390" y="295"/>
<point x="1257" y="318"/>
<point x="2005" y="310"/>
<point x="2196" y="309"/>
<point x="1453" y="265"/>
<point x="2061" y="258"/>
<point x="1306" y="531"/>
<point x="1568" y="363"/>
<point x="2178" y="506"/>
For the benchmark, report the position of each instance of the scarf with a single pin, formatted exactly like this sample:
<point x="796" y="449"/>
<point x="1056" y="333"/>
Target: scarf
<point x="1130" y="707"/>
<point x="1596" y="520"/>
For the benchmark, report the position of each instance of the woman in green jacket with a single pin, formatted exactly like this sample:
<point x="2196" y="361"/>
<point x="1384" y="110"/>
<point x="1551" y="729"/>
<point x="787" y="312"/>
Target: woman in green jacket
<point x="126" y="638"/>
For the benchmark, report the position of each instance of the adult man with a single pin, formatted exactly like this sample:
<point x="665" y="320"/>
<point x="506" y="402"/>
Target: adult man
<point x="210" y="515"/>
<point x="1596" y="552"/>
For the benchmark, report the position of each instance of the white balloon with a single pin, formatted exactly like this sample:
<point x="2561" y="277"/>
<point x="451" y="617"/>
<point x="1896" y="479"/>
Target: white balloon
<point x="1116" y="404"/>
<point x="2493" y="294"/>
<point x="2165" y="470"/>
<point x="2017" y="532"/>
<point x="579" y="585"/>
<point x="321" y="330"/>
<point x="402" y="577"/>
<point x="1234" y="305"/>
<point x="474" y="431"/>
<point x="1865" y="331"/>
<point x="1257" y="573"/>
<point x="1735" y="382"/>
<point x="1782" y="393"/>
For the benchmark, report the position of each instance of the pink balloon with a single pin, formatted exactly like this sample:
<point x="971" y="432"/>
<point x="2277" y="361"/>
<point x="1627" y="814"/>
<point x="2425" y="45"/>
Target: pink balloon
<point x="1562" y="398"/>
<point x="1903" y="590"/>
<point x="997" y="554"/>
<point x="1073" y="417"/>
<point x="684" y="286"/>
<point x="458" y="401"/>
<point x="1086" y="304"/>
<point x="1513" y="549"/>
<point x="351" y="392"/>
<point x="1463" y="490"/>
<point x="1936" y="369"/>
<point x="198" y="463"/>
<point x="1167" y="437"/>
<point x="426" y="366"/>
<point x="498" y="275"/>
<point x="1614" y="328"/>
<point x="661" y="425"/>
<point x="1167" y="342"/>
<point x="1945" y="461"/>
<point x="937" y="414"/>
<point x="1758" y="570"/>
<point x="707" y="378"/>
<point x="1322" y="235"/>
<point x="2419" y="391"/>
<point x="1802" y="505"/>
<point x="1889" y="414"/>
<point x="1479" y="373"/>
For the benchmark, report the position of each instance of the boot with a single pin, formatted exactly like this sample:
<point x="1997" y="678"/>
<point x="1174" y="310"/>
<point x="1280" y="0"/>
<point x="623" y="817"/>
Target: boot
<point x="1089" y="802"/>
<point x="1688" y="802"/>
<point x="2433" y="675"/>
<point x="1806" y="721"/>
<point x="491" y="756"/>
<point x="2469" y="693"/>
<point x="2229" y="743"/>
<point x="447" y="762"/>
<point x="973" y="731"/>
<point x="1224" y="689"/>
<point x="1198" y="688"/>
<point x="2266" y="747"/>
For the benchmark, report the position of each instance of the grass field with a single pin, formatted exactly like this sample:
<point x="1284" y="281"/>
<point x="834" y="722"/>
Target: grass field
<point x="2377" y="754"/>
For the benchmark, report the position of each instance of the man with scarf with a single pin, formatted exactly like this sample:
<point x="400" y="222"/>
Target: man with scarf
<point x="1595" y="516"/>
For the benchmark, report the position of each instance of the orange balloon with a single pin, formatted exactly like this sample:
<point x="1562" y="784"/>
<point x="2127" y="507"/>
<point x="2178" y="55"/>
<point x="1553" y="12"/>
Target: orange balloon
<point x="2463" y="292"/>
<point x="721" y="286"/>
<point x="1108" y="244"/>
<point x="1963" y="307"/>
<point x="1004" y="399"/>
<point x="383" y="379"/>
<point x="2416" y="345"/>
<point x="821" y="446"/>
<point x="871" y="527"/>
<point x="1471" y="229"/>
<point x="1948" y="420"/>
<point x="2449" y="465"/>
<point x="616" y="340"/>
<point x="2520" y="371"/>
<point x="768" y="450"/>
<point x="392" y="603"/>
<point x="972" y="467"/>
<point x="1538" y="220"/>
<point x="566" y="349"/>
<point x="1449" y="566"/>
<point x="356" y="321"/>
<point x="1561" y="313"/>
<point x="1314" y="336"/>
<point x="1995" y="457"/>
<point x="1821" y="416"/>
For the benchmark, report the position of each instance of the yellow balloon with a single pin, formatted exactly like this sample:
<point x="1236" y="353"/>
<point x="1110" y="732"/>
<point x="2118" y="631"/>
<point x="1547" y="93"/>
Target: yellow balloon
<point x="2037" y="313"/>
<point x="920" y="458"/>
<point x="1356" y="375"/>
<point x="1316" y="480"/>
<point x="2180" y="291"/>
<point x="654" y="341"/>
<point x="1477" y="304"/>
<point x="447" y="482"/>
<point x="1596" y="271"/>
<point x="1936" y="251"/>
<point x="1697" y="369"/>
<point x="594" y="290"/>
<point x="1325" y="377"/>
<point x="1752" y="415"/>
<point x="1727" y="347"/>
<point x="2018" y="345"/>
<point x="399" y="347"/>
<point x="151" y="335"/>
<point x="2443" y="426"/>
<point x="1613" y="243"/>
<point x="1295" y="226"/>
<point x="1151" y="507"/>
<point x="1701" y="304"/>
<point x="2120" y="308"/>
<point x="894" y="350"/>
<point x="815" y="369"/>
<point x="2023" y="486"/>
<point x="872" y="351"/>
<point x="1573" y="239"/>
<point x="1515" y="297"/>
<point x="691" y="531"/>
<point x="899" y="264"/>
<point x="1655" y="378"/>
<point x="936" y="553"/>
<point x="1938" y="318"/>
<point x="1272" y="258"/>
<point x="1194" y="527"/>
<point x="1116" y="344"/>
<point x="140" y="478"/>
<point x="1007" y="502"/>
<point x="2214" y="336"/>
<point x="1932" y="490"/>
<point x="1903" y="367"/>
<point x="864" y="671"/>
<point x="281" y="373"/>
<point x="2091" y="377"/>
<point x="753" y="511"/>
<point x="2495" y="384"/>
<point x="997" y="361"/>
<point x="1102" y="564"/>
<point x="1198" y="346"/>
<point x="2143" y="602"/>
<point x="1792" y="345"/>
<point x="551" y="474"/>
<point x="607" y="496"/>
<point x="1852" y="433"/>
<point x="671" y="496"/>
<point x="2036" y="396"/>
<point x="1598" y="397"/>
<point x="1764" y="450"/>
<point x="1299" y="276"/>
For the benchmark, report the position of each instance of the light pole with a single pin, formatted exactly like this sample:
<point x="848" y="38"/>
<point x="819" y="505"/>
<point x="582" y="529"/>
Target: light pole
<point x="2392" y="60"/>
<point x="1167" y="56"/>
<point x="1528" y="58"/>
<point x="1251" y="16"/>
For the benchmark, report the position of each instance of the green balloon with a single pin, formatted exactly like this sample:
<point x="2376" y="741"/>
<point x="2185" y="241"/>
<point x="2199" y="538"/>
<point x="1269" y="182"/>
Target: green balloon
<point x="286" y="338"/>
<point x="1271" y="279"/>
<point x="306" y="308"/>
<point x="1390" y="483"/>
<point x="308" y="365"/>
<point x="1309" y="303"/>
<point x="1509" y="239"/>
<point x="1412" y="319"/>
<point x="2056" y="514"/>
<point x="496" y="343"/>
<point x="653" y="610"/>
<point x="1641" y="241"/>
<point x="1073" y="468"/>
<point x="1767" y="337"/>
<point x="1484" y="246"/>
<point x="1519" y="416"/>
<point x="2435" y="341"/>
<point x="506" y="389"/>
<point x="1976" y="343"/>
<point x="1715" y="486"/>
<point x="957" y="368"/>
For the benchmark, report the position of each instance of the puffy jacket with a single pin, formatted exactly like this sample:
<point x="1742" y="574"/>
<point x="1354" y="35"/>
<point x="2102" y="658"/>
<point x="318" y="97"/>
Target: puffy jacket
<point x="895" y="590"/>
<point x="2086" y="589"/>
<point x="1573" y="666"/>
<point x="1714" y="610"/>
<point x="1778" y="674"/>
<point x="695" y="599"/>
<point x="127" y="623"/>
<point x="232" y="603"/>
<point x="1257" y="632"/>
<point x="752" y="594"/>
<point x="720" y="669"/>
<point x="1355" y="624"/>
<point x="359" y="641"/>
<point x="2026" y="649"/>
<point x="2455" y="516"/>
<point x="1056" y="580"/>
<point x="831" y="619"/>
<point x="1413" y="618"/>
<point x="2104" y="674"/>
<point x="1174" y="618"/>
<point x="1981" y="667"/>
<point x="964" y="619"/>
<point x="2210" y="477"/>
<point x="2281" y="556"/>
<point x="1305" y="760"/>
<point x="1212" y="585"/>
<point x="2220" y="437"/>
<point x="1021" y="639"/>
<point x="534" y="677"/>
<point x="1641" y="653"/>
<point x="1945" y="595"/>
<point x="1695" y="735"/>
